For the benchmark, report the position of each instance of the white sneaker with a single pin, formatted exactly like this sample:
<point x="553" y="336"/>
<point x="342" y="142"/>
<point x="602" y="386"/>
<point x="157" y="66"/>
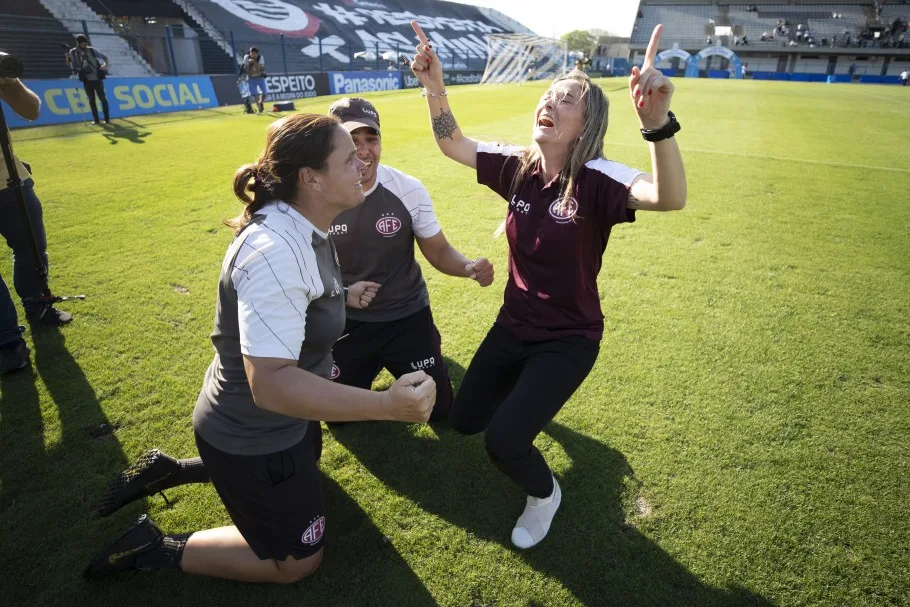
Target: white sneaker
<point x="534" y="522"/>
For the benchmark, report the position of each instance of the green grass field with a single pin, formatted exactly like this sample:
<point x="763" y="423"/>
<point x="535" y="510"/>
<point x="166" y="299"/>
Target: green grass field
<point x="742" y="440"/>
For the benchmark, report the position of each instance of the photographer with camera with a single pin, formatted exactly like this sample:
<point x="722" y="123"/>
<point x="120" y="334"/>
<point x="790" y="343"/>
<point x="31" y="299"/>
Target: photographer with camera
<point x="253" y="68"/>
<point x="28" y="282"/>
<point x="91" y="66"/>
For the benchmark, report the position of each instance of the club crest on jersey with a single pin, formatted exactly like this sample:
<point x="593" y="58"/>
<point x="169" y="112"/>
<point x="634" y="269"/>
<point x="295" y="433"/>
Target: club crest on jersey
<point x="314" y="532"/>
<point x="388" y="224"/>
<point x="335" y="372"/>
<point x="563" y="210"/>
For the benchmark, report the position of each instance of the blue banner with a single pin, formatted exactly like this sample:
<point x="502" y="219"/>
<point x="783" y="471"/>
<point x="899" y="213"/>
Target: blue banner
<point x="348" y="83"/>
<point x="65" y="101"/>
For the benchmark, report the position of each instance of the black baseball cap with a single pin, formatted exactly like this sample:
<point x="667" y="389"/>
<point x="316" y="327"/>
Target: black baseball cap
<point x="355" y="113"/>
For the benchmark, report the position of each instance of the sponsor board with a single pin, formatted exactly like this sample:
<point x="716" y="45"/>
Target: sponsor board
<point x="348" y="83"/>
<point x="451" y="77"/>
<point x="296" y="86"/>
<point x="65" y="101"/>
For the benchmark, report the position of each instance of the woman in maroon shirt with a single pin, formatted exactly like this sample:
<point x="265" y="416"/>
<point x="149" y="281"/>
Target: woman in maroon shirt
<point x="564" y="197"/>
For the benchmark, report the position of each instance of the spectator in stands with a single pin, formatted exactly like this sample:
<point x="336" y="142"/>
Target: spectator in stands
<point x="91" y="67"/>
<point x="708" y="41"/>
<point x="397" y="331"/>
<point x="745" y="40"/>
<point x="564" y="198"/>
<point x="764" y="36"/>
<point x="14" y="354"/>
<point x="253" y="67"/>
<point x="280" y="310"/>
<point x="905" y="75"/>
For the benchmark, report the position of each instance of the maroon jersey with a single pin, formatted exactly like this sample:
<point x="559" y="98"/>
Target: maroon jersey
<point x="556" y="246"/>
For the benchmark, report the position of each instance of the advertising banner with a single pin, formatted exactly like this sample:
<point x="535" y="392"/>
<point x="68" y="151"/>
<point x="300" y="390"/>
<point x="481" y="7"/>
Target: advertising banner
<point x="296" y="86"/>
<point x="452" y="77"/>
<point x="331" y="32"/>
<point x="65" y="101"/>
<point x="349" y="83"/>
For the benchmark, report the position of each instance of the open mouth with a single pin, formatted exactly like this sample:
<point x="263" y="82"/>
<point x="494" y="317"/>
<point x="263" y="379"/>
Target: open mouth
<point x="545" y="122"/>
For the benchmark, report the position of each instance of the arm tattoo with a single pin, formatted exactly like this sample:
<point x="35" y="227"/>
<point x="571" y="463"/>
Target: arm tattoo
<point x="444" y="125"/>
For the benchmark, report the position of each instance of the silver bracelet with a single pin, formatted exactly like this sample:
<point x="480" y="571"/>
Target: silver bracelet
<point x="424" y="93"/>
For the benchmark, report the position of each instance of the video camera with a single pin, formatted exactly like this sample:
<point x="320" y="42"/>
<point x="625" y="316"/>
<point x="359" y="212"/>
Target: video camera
<point x="10" y="66"/>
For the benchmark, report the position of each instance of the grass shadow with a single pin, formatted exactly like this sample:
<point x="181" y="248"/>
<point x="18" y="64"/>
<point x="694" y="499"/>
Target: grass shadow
<point x="361" y="567"/>
<point x="114" y="132"/>
<point x="593" y="550"/>
<point x="53" y="486"/>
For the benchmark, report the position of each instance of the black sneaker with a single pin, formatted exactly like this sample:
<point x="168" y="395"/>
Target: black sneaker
<point x="49" y="316"/>
<point x="147" y="476"/>
<point x="13" y="356"/>
<point x="142" y="537"/>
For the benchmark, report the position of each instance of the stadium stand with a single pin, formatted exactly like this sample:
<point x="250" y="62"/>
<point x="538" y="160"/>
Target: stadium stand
<point x="807" y="39"/>
<point x="145" y="37"/>
<point x="79" y="18"/>
<point x="685" y="24"/>
<point x="322" y="36"/>
<point x="29" y="30"/>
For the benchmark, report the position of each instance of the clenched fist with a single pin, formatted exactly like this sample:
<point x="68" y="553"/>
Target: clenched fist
<point x="480" y="270"/>
<point x="410" y="399"/>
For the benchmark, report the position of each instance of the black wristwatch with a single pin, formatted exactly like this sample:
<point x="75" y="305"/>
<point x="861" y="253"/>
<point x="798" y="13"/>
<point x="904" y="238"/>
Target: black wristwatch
<point x="664" y="132"/>
<point x="345" y="290"/>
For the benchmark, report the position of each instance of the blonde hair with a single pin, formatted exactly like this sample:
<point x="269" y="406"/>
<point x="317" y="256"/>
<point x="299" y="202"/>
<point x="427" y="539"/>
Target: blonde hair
<point x="590" y="144"/>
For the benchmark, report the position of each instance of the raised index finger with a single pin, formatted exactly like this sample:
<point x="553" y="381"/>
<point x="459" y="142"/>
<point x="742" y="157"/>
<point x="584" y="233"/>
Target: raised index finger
<point x="651" y="53"/>
<point x="420" y="35"/>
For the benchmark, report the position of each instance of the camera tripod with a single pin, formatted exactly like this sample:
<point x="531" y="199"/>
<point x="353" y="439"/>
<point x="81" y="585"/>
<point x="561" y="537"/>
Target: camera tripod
<point x="15" y="182"/>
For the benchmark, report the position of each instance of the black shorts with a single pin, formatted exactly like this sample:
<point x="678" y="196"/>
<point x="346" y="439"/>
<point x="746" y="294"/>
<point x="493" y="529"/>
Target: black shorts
<point x="275" y="500"/>
<point x="401" y="346"/>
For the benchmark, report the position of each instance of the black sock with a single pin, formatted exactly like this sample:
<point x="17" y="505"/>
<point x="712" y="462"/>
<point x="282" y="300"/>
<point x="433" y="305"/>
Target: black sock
<point x="167" y="555"/>
<point x="193" y="471"/>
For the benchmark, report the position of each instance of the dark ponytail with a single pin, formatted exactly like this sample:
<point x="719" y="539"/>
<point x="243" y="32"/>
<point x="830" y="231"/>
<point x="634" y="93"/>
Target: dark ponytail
<point x="292" y="143"/>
